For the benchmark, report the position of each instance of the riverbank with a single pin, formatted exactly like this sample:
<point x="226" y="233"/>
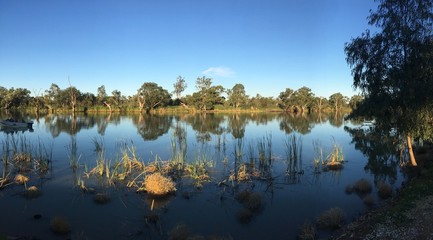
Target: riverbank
<point x="408" y="215"/>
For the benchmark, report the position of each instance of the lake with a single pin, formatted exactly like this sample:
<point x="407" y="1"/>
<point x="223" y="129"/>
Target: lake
<point x="219" y="159"/>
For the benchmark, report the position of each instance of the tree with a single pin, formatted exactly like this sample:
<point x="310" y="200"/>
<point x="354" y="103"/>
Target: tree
<point x="286" y="100"/>
<point x="102" y="95"/>
<point x="393" y="68"/>
<point x="14" y="98"/>
<point x="150" y="95"/>
<point x="337" y="100"/>
<point x="355" y="101"/>
<point x="207" y="95"/>
<point x="179" y="86"/>
<point x="237" y="96"/>
<point x="303" y="98"/>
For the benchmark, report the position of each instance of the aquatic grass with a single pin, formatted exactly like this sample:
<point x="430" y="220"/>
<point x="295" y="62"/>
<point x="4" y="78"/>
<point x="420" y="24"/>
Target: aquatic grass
<point x="264" y="147"/>
<point x="293" y="150"/>
<point x="335" y="158"/>
<point x="319" y="158"/>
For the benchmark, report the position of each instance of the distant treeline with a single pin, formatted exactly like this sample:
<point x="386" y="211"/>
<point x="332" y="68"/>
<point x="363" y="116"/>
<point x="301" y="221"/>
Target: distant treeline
<point x="151" y="97"/>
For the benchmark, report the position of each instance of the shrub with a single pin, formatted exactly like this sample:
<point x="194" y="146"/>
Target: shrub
<point x="331" y="218"/>
<point x="368" y="200"/>
<point x="363" y="186"/>
<point x="307" y="232"/>
<point x="158" y="185"/>
<point x="384" y="190"/>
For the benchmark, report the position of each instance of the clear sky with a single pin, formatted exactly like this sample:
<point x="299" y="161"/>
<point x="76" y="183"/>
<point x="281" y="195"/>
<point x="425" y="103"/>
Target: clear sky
<point x="267" y="45"/>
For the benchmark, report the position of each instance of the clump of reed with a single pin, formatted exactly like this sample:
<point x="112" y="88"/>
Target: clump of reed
<point x="307" y="232"/>
<point x="21" y="179"/>
<point x="319" y="158"/>
<point x="198" y="170"/>
<point x="335" y="158"/>
<point x="264" y="148"/>
<point x="293" y="149"/>
<point x="158" y="185"/>
<point x="331" y="218"/>
<point x="60" y="225"/>
<point x="384" y="190"/>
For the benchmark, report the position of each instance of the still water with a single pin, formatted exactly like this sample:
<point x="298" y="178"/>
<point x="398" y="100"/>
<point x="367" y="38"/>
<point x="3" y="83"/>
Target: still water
<point x="291" y="193"/>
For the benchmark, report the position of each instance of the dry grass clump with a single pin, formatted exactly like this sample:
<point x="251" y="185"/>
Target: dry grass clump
<point x="31" y="192"/>
<point x="307" y="232"/>
<point x="331" y="218"/>
<point x="362" y="186"/>
<point x="384" y="190"/>
<point x="158" y="185"/>
<point x="101" y="198"/>
<point x="369" y="200"/>
<point x="21" y="179"/>
<point x="59" y="225"/>
<point x="334" y="165"/>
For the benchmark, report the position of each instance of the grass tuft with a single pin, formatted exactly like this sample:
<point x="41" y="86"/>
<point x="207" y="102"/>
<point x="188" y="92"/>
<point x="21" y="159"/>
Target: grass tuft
<point x="331" y="218"/>
<point x="158" y="185"/>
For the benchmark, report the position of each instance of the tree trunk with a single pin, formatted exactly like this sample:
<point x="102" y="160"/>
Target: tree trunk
<point x="409" y="148"/>
<point x="109" y="106"/>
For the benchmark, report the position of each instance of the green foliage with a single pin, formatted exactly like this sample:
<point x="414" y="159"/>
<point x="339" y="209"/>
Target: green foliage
<point x="393" y="67"/>
<point x="150" y="95"/>
<point x="237" y="96"/>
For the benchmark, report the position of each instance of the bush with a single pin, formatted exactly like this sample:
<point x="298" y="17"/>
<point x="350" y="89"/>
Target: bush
<point x="363" y="186"/>
<point x="384" y="190"/>
<point x="331" y="218"/>
<point x="158" y="185"/>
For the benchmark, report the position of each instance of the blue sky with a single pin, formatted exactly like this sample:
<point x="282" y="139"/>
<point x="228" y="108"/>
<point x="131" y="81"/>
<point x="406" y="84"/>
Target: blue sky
<point x="265" y="45"/>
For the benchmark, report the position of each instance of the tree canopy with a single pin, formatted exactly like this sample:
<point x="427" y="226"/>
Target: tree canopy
<point x="393" y="68"/>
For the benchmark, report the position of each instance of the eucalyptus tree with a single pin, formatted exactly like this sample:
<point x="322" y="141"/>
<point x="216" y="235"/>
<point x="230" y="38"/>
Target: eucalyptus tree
<point x="14" y="98"/>
<point x="102" y="94"/>
<point x="237" y="96"/>
<point x="150" y="95"/>
<point x="303" y="98"/>
<point x="207" y="96"/>
<point x="393" y="68"/>
<point x="337" y="101"/>
<point x="286" y="100"/>
<point x="179" y="86"/>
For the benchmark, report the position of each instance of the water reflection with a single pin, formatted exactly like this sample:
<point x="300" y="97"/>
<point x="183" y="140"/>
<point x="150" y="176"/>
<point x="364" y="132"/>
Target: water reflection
<point x="150" y="127"/>
<point x="381" y="151"/>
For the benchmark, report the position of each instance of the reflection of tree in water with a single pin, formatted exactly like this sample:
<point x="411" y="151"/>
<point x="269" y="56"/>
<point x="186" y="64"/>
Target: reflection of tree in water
<point x="152" y="126"/>
<point x="380" y="148"/>
<point x="336" y="119"/>
<point x="236" y="125"/>
<point x="262" y="118"/>
<point x="206" y="124"/>
<point x="70" y="124"/>
<point x="302" y="123"/>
